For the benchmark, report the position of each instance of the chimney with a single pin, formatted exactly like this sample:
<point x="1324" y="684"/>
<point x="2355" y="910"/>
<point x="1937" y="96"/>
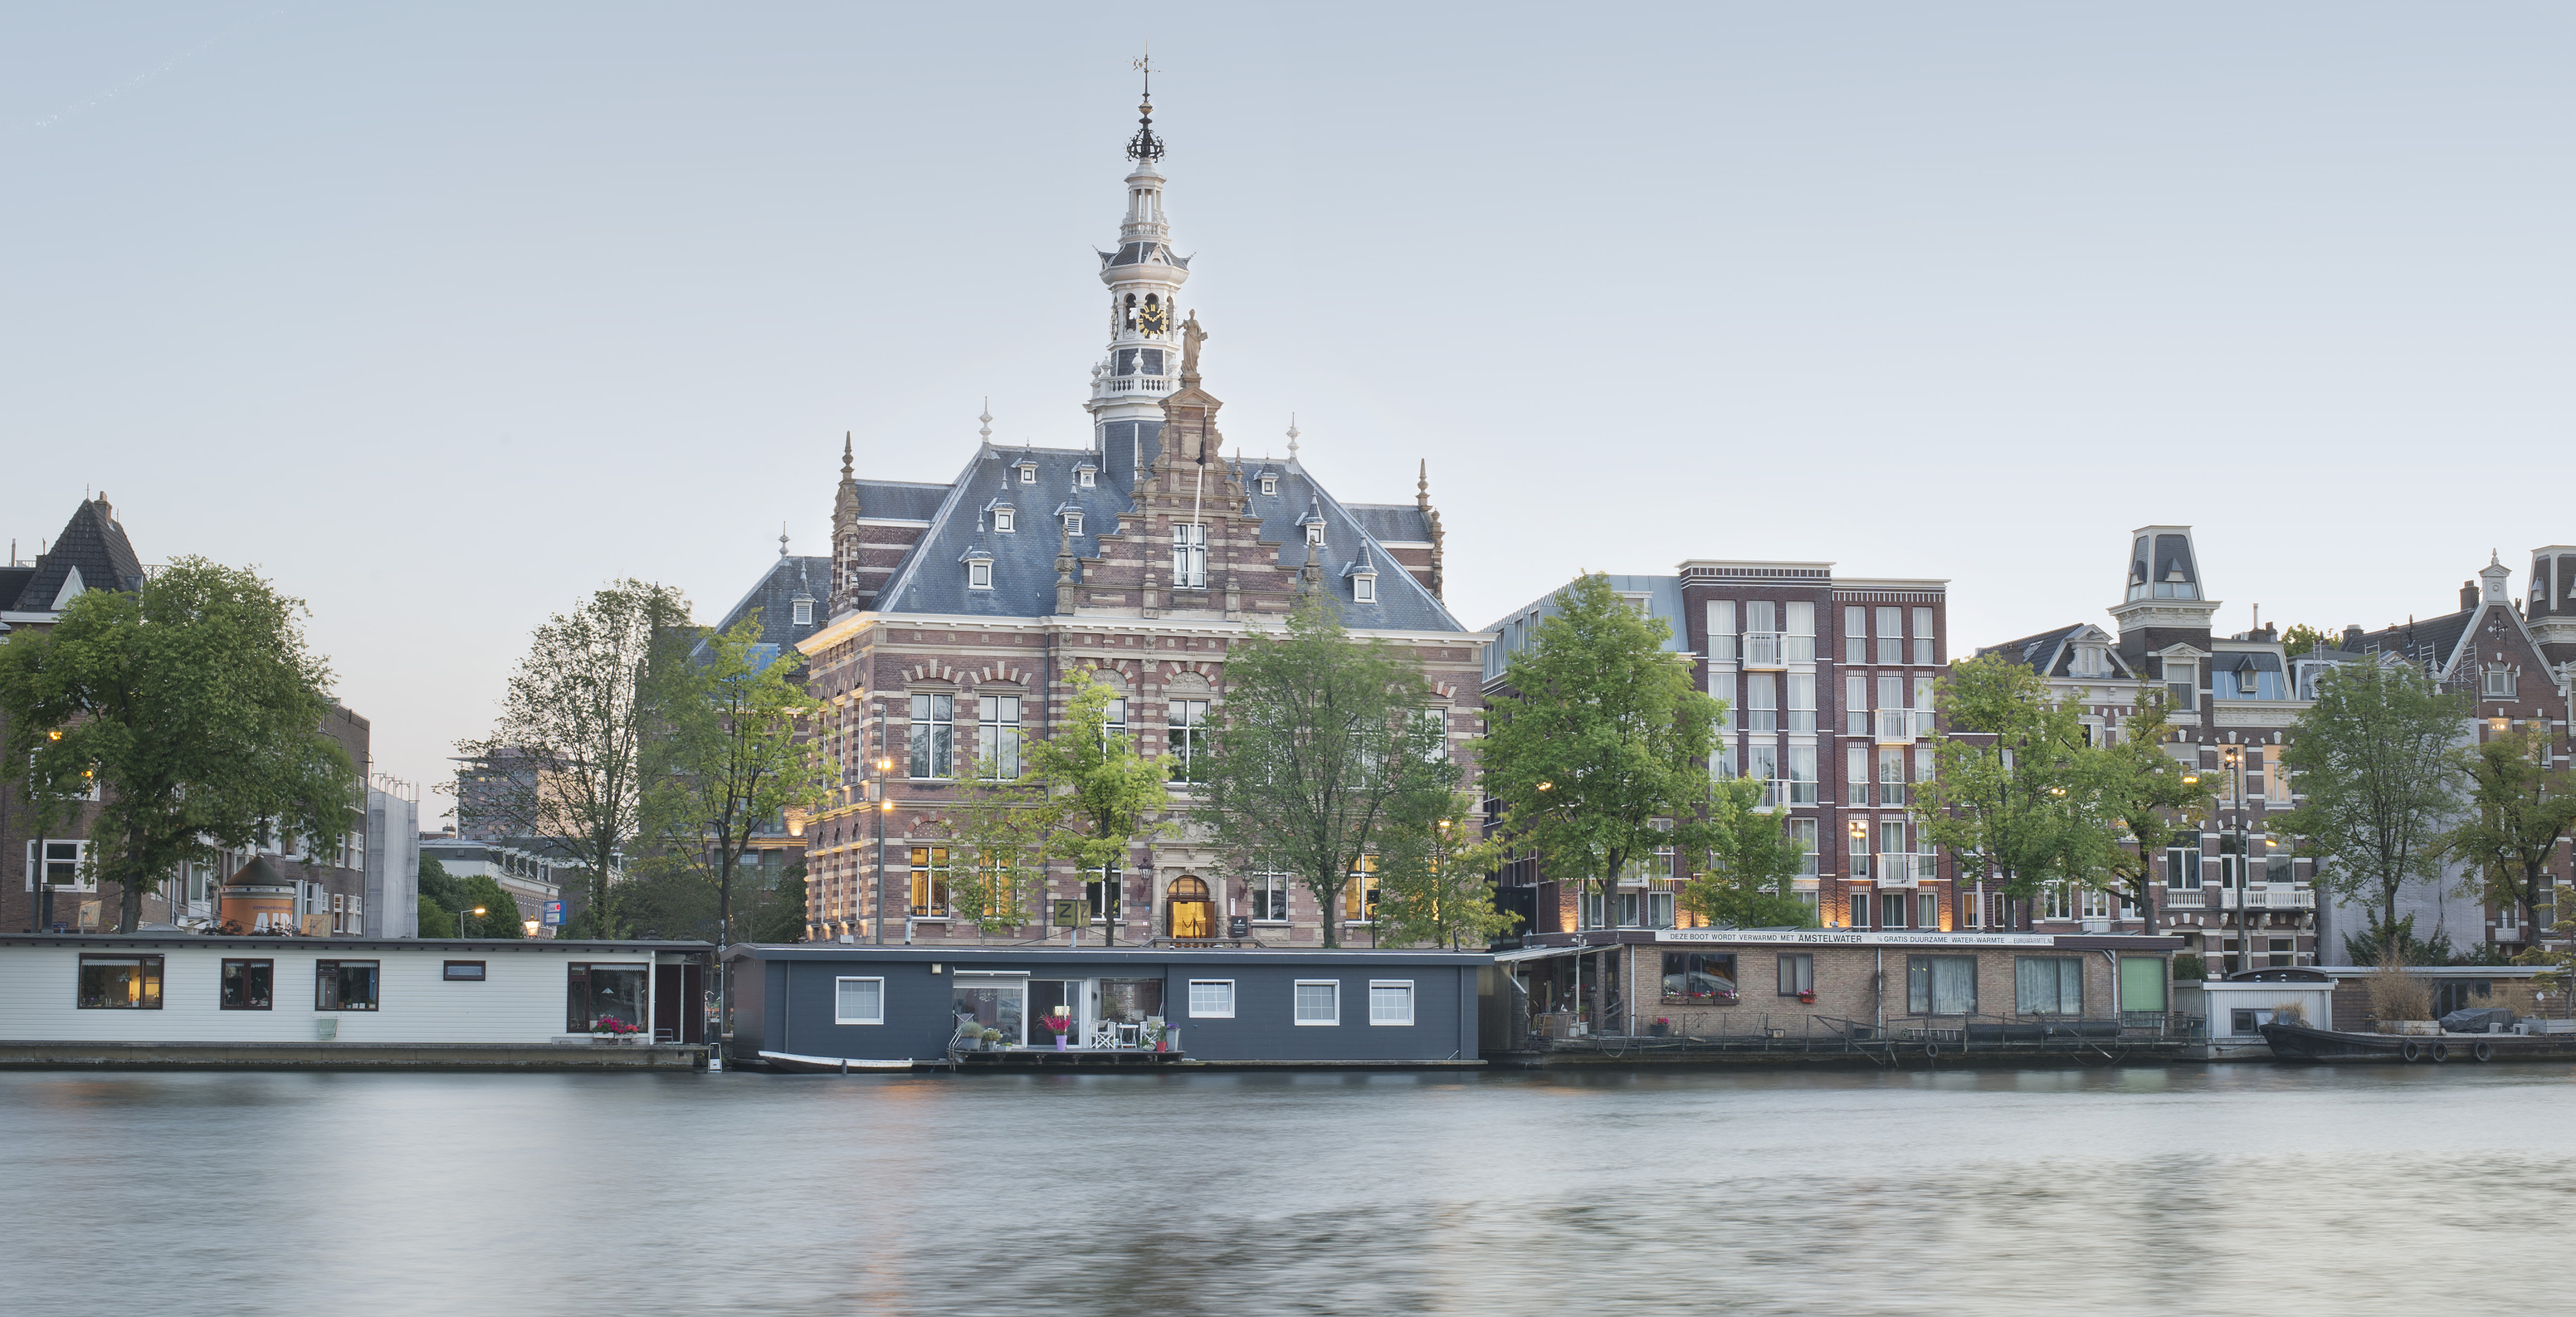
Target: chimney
<point x="2351" y="643"/>
<point x="2468" y="595"/>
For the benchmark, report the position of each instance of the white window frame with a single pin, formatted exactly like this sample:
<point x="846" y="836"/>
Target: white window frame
<point x="1197" y="1014"/>
<point x="1270" y="486"/>
<point x="979" y="574"/>
<point x="1028" y="473"/>
<point x="802" y="611"/>
<point x="1005" y="520"/>
<point x="1407" y="986"/>
<point x="1297" y="1003"/>
<point x="1073" y="523"/>
<point x="838" y="980"/>
<point x="1314" y="533"/>
<point x="1083" y="478"/>
<point x="82" y="879"/>
<point x="1364" y="588"/>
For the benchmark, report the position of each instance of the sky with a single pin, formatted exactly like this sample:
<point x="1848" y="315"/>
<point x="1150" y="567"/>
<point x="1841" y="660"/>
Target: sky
<point x="444" y="316"/>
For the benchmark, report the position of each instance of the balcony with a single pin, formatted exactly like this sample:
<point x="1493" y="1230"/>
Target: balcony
<point x="1113" y="385"/>
<point x="1762" y="649"/>
<point x="2186" y="901"/>
<point x="1901" y="869"/>
<point x="1895" y="726"/>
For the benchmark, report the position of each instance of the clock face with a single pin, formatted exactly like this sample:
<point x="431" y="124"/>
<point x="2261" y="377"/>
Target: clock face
<point x="1150" y="318"/>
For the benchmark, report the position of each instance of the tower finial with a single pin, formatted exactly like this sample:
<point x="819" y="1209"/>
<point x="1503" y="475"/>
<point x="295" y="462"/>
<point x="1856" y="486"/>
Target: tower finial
<point x="987" y="418"/>
<point x="1292" y="436"/>
<point x="782" y="539"/>
<point x="1422" y="486"/>
<point x="845" y="455"/>
<point x="1144" y="146"/>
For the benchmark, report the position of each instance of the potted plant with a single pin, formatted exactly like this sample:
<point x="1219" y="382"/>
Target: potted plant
<point x="1661" y="1028"/>
<point x="1060" y="1021"/>
<point x="1807" y="996"/>
<point x="992" y="1040"/>
<point x="611" y="1029"/>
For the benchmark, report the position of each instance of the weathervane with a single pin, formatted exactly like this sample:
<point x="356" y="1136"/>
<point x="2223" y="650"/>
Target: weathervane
<point x="1144" y="146"/>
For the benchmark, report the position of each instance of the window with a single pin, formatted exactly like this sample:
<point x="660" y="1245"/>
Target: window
<point x="1189" y="556"/>
<point x="1801" y="639"/>
<point x="858" y="1001"/>
<point x="999" y="1002"/>
<point x="1083" y="478"/>
<point x="2496" y="681"/>
<point x="1364" y="588"/>
<point x="1359" y="892"/>
<point x="1855" y="635"/>
<point x="1000" y="736"/>
<point x="804" y="612"/>
<point x="2182" y="683"/>
<point x="1761" y="703"/>
<point x="930" y="882"/>
<point x="1073" y="523"/>
<point x="979" y="574"/>
<point x="1004" y="519"/>
<point x="1797" y="973"/>
<point x="933" y="727"/>
<point x="1721" y="631"/>
<point x="1802" y="702"/>
<point x="1762" y="763"/>
<point x="1269" y="895"/>
<point x="1390" y="1001"/>
<point x="1802" y="834"/>
<point x="1270" y="486"/>
<point x="344" y="985"/>
<point x="2048" y="985"/>
<point x="1211" y="999"/>
<point x="1923" y="637"/>
<point x="1941" y="985"/>
<point x="1891" y="775"/>
<point x="1891" y="635"/>
<point x="2182" y="868"/>
<point x="1028" y="474"/>
<point x="120" y="983"/>
<point x="461" y="971"/>
<point x="62" y="866"/>
<point x="1860" y="910"/>
<point x="1187" y="720"/>
<point x="606" y="992"/>
<point x="1699" y="978"/>
<point x="1659" y="909"/>
<point x="1104" y="892"/>
<point x="1927" y="907"/>
<point x="1314" y="534"/>
<point x="1319" y="1001"/>
<point x="1856" y="775"/>
<point x="1802" y="775"/>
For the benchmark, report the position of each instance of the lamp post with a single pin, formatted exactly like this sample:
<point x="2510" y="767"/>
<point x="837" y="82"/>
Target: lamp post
<point x="885" y="806"/>
<point x="461" y="925"/>
<point x="2233" y="757"/>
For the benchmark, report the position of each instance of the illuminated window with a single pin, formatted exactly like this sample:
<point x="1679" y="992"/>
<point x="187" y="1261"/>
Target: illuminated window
<point x="930" y="882"/>
<point x="120" y="983"/>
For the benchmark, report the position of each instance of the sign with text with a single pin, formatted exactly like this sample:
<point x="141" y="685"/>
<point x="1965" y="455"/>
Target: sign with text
<point x="1238" y="927"/>
<point x="554" y="914"/>
<point x="1853" y="937"/>
<point x="1072" y="914"/>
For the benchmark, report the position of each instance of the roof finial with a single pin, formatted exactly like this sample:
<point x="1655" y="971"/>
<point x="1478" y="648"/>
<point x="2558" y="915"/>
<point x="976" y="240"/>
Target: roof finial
<point x="1422" y="486"/>
<point x="987" y="419"/>
<point x="782" y="539"/>
<point x="1292" y="436"/>
<point x="1144" y="146"/>
<point x="845" y="455"/>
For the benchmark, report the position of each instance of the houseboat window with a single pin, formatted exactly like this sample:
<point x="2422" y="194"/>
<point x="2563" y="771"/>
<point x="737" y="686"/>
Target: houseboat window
<point x="993" y="1001"/>
<point x="246" y="985"/>
<point x="2048" y="985"/>
<point x="1048" y="997"/>
<point x="1390" y="1001"/>
<point x="1211" y="999"/>
<point x="1941" y="985"/>
<point x="461" y="971"/>
<point x="858" y="1001"/>
<point x="344" y="985"/>
<point x="120" y="983"/>
<point x="1130" y="1001"/>
<point x="2142" y="983"/>
<point x="1319" y="1001"/>
<point x="1797" y="973"/>
<point x="1698" y="977"/>
<point x="601" y="993"/>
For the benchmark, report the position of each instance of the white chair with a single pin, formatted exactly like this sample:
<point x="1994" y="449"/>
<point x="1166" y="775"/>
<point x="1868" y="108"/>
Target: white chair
<point x="1103" y="1034"/>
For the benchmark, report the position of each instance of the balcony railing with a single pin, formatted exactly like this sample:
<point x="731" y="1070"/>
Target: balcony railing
<point x="1110" y="384"/>
<point x="2185" y="901"/>
<point x="1762" y="649"/>
<point x="1895" y="726"/>
<point x="1906" y="868"/>
<point x="2268" y="898"/>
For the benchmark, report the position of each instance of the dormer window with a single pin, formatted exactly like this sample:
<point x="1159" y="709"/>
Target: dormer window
<point x="979" y="574"/>
<point x="1003" y="519"/>
<point x="1073" y="523"/>
<point x="804" y="609"/>
<point x="2496" y="682"/>
<point x="1364" y="588"/>
<point x="1270" y="486"/>
<point x="1082" y="478"/>
<point x="1314" y="533"/>
<point x="1028" y="473"/>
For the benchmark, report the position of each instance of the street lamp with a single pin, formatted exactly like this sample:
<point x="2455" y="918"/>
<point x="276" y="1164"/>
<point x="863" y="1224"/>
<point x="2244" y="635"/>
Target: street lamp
<point x="885" y="806"/>
<point x="462" y="928"/>
<point x="2233" y="759"/>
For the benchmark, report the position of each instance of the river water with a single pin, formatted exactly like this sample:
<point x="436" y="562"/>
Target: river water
<point x="2243" y="1189"/>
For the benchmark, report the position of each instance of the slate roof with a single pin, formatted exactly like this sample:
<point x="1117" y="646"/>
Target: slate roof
<point x="931" y="578"/>
<point x="2430" y="643"/>
<point x="93" y="544"/>
<point x="775" y="594"/>
<point x="1393" y="523"/>
<point x="900" y="500"/>
<point x="2051" y="653"/>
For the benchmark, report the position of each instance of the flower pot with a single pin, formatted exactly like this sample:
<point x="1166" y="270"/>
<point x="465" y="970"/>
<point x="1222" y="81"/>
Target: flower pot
<point x="1059" y="1042"/>
<point x="1660" y="1029"/>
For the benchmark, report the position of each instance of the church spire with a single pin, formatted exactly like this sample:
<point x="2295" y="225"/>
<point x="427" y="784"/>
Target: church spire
<point x="1144" y="277"/>
<point x="845" y="537"/>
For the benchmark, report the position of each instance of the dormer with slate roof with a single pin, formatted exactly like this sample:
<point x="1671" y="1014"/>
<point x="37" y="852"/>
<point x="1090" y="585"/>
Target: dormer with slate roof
<point x="92" y="553"/>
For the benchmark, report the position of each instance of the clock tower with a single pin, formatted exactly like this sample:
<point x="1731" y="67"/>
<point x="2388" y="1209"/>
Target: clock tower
<point x="1144" y="278"/>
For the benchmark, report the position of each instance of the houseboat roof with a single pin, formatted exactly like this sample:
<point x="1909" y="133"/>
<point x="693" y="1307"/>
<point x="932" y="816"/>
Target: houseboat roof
<point x="1059" y="955"/>
<point x="91" y="941"/>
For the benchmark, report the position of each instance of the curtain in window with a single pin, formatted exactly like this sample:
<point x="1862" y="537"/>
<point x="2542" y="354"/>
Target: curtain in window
<point x="1941" y="985"/>
<point x="2048" y="985"/>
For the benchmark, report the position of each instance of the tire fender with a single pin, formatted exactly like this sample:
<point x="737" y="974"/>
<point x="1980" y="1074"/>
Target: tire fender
<point x="2441" y="1053"/>
<point x="2410" y="1051"/>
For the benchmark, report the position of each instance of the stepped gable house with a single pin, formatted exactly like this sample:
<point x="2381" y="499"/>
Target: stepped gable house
<point x="958" y="610"/>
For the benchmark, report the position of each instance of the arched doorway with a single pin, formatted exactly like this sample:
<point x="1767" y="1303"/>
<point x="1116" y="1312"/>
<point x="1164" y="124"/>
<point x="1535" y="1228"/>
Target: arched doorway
<point x="1188" y="911"/>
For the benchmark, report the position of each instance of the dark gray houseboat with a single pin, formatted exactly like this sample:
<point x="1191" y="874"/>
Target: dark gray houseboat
<point x="819" y="1005"/>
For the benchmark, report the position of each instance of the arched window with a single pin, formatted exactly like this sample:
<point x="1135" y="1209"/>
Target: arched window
<point x="1187" y="908"/>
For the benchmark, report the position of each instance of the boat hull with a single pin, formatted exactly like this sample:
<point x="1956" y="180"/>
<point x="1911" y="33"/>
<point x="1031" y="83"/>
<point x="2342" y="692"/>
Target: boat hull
<point x="2298" y="1042"/>
<point x="832" y="1065"/>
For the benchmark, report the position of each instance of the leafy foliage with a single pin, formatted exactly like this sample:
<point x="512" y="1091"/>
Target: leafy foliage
<point x="1751" y="864"/>
<point x="2519" y="808"/>
<point x="2017" y="792"/>
<point x="500" y="918"/>
<point x="2145" y="791"/>
<point x="1436" y="876"/>
<point x="566" y="753"/>
<point x="2376" y="944"/>
<point x="193" y="707"/>
<point x="1320" y="739"/>
<point x="2377" y="762"/>
<point x="1597" y="752"/>
<point x="2301" y="638"/>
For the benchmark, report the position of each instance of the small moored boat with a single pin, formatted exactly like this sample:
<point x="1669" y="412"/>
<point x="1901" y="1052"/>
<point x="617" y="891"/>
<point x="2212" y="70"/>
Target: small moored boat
<point x="832" y="1065"/>
<point x="2298" y="1042"/>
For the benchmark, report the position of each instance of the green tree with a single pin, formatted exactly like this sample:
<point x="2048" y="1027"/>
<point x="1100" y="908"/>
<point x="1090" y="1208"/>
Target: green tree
<point x="1319" y="739"/>
<point x="2519" y="807"/>
<point x="565" y="756"/>
<point x="436" y="920"/>
<point x="728" y="755"/>
<point x="2018" y="794"/>
<point x="1436" y="875"/>
<point x="2149" y="794"/>
<point x="1752" y="864"/>
<point x="2377" y="759"/>
<point x="1597" y="752"/>
<point x="777" y="910"/>
<point x="2302" y="638"/>
<point x="500" y="917"/>
<point x="997" y="832"/>
<point x="439" y="887"/>
<point x="1098" y="796"/>
<point x="192" y="708"/>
